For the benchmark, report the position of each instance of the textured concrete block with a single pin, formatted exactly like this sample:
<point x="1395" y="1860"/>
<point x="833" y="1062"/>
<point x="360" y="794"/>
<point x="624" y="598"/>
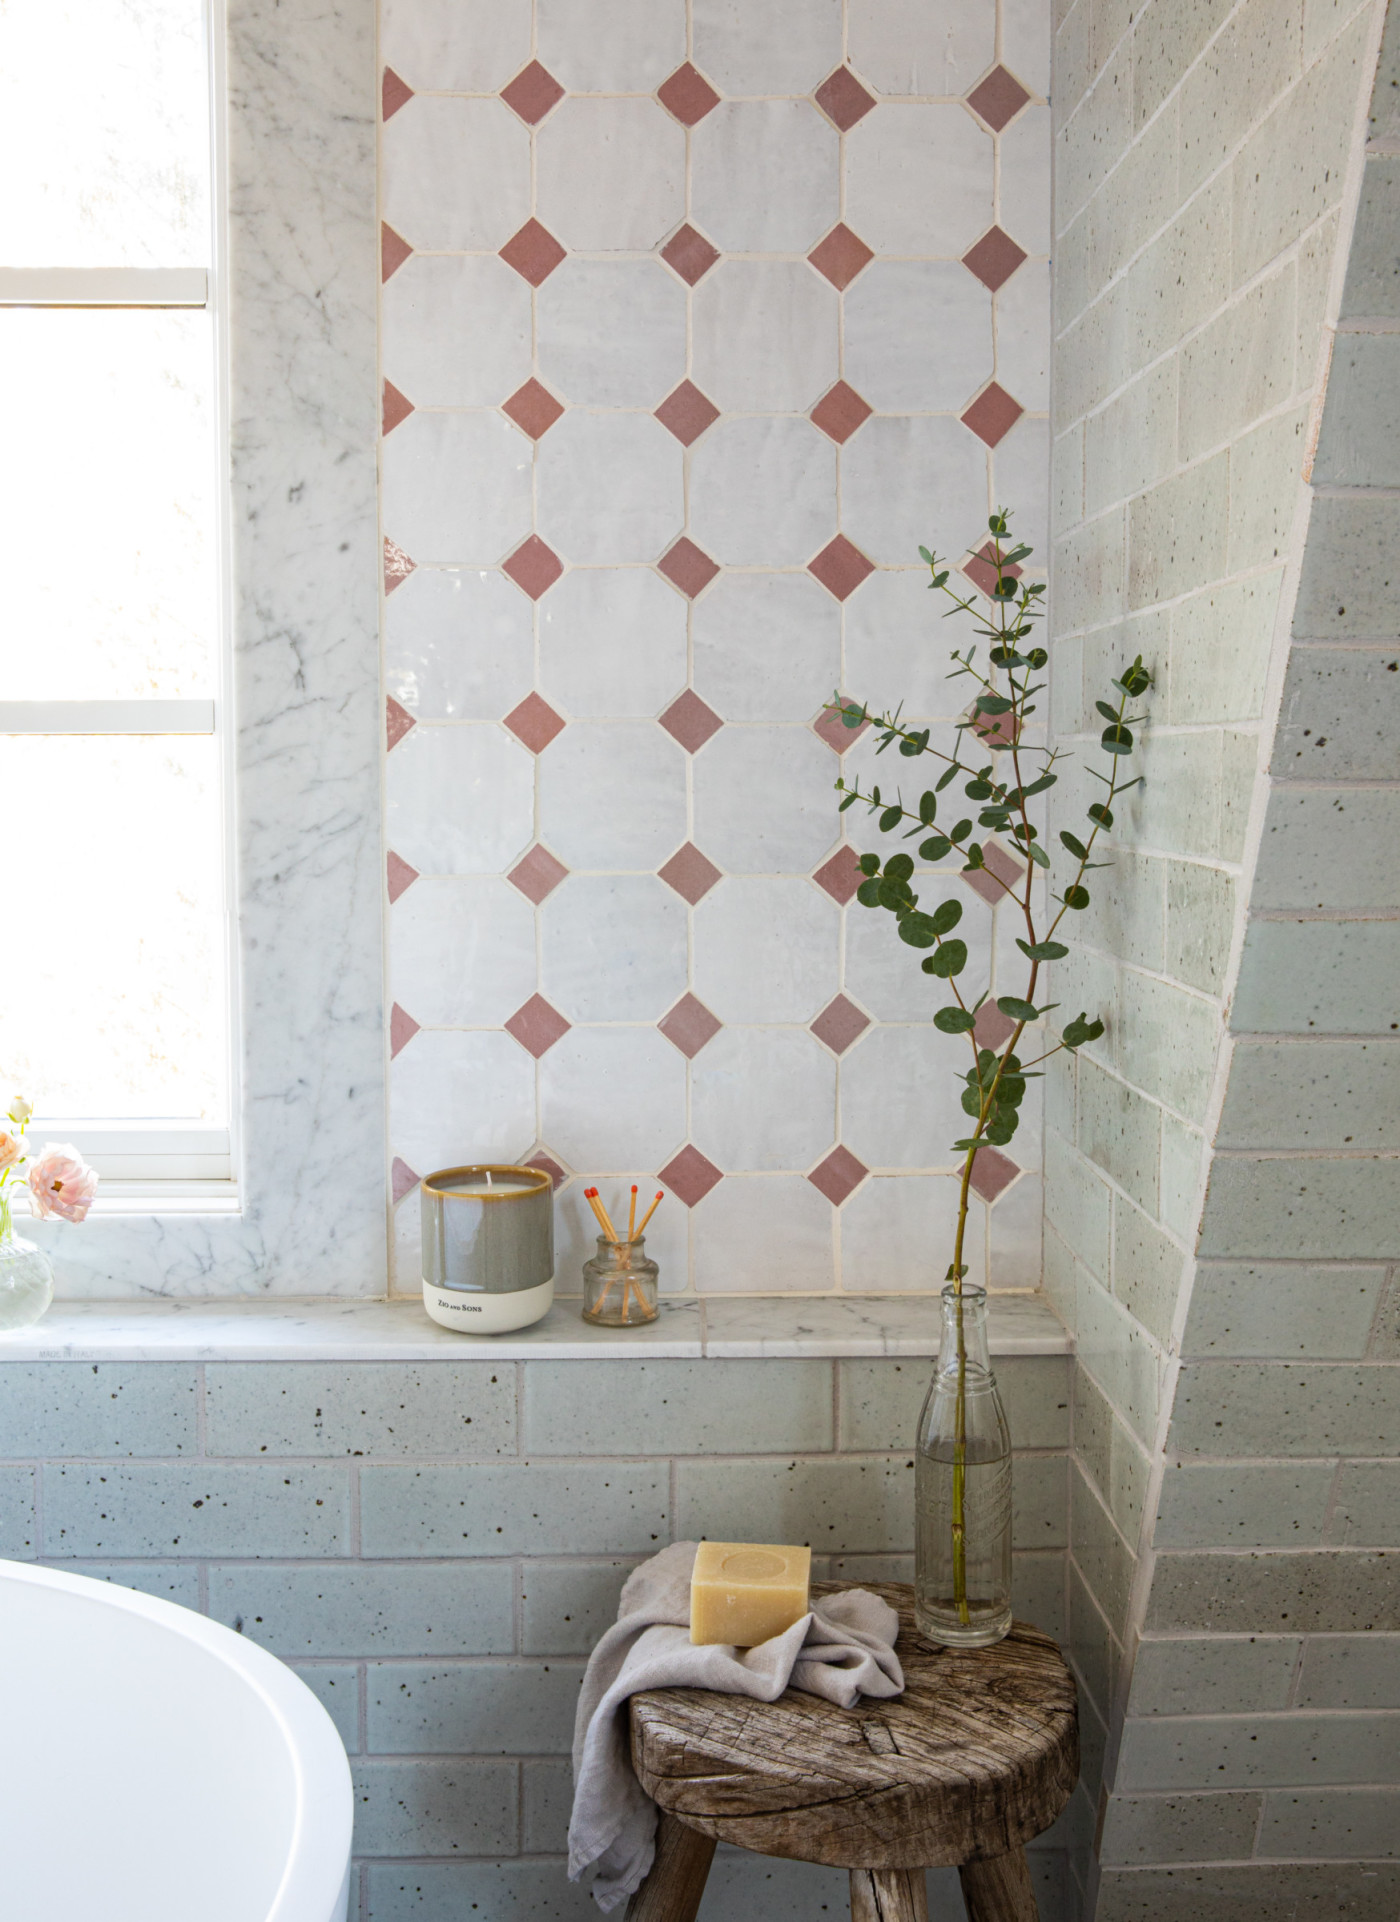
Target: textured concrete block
<point x="1090" y="573"/>
<point x="1281" y="1309"/>
<point x="1341" y="715"/>
<point x="1125" y="914"/>
<point x="1099" y="132"/>
<point x="365" y="1408"/>
<point x="1067" y="481"/>
<point x="742" y="1887"/>
<point x="1183" y="807"/>
<point x="852" y="1504"/>
<point x="1139" y="199"/>
<point x="1120" y="1131"/>
<point x="567" y="1605"/>
<point x="1314" y="1210"/>
<point x="196" y="1508"/>
<point x="1373" y="281"/>
<point x="1240" y="366"/>
<point x="1266" y="474"/>
<point x="1038" y="1592"/>
<point x="369" y="1608"/>
<point x="472" y="1708"/>
<point x="1347" y="587"/>
<point x="19" y="1538"/>
<point x="1276" y="1592"/>
<point x="1249" y="63"/>
<point x="1092" y="1646"/>
<point x="1359" y="1823"/>
<point x="336" y="1686"/>
<point x="676" y="1407"/>
<point x="1359" y="445"/>
<point x="1102" y="1557"/>
<point x="1330" y="848"/>
<point x="435" y="1808"/>
<point x="1130" y="444"/>
<point x="546" y="1801"/>
<point x="1077" y="1203"/>
<point x="57" y="1408"/>
<point x="1367" y="1512"/>
<point x="1253" y="1408"/>
<point x="1250" y="1751"/>
<point x="525" y="1508"/>
<point x="1350" y="1671"/>
<point x="1148" y="1829"/>
<point x="167" y="1581"/>
<point x="1163" y="50"/>
<point x="1313" y="1095"/>
<point x="1110" y="1454"/>
<point x="1176" y="533"/>
<point x="1208" y="682"/>
<point x="1237" y="1506"/>
<point x="1319" y="977"/>
<point x="1214" y="1675"/>
<point x="1120" y="1355"/>
<point x="1302" y="1892"/>
<point x="538" y="1891"/>
<point x="1384" y="1344"/>
<point x="1147" y="1269"/>
<point x="881" y="1399"/>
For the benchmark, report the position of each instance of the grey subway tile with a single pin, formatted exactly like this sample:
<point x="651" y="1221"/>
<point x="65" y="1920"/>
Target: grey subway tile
<point x="1328" y="848"/>
<point x="196" y="1508"/>
<point x="375" y="1608"/>
<point x="1265" y="1892"/>
<point x="1251" y="1751"/>
<point x="538" y="1891"/>
<point x="1359" y="445"/>
<point x="524" y="1508"/>
<point x="850" y="1504"/>
<point x="1153" y="1829"/>
<point x="1339" y="715"/>
<point x="1276" y="1591"/>
<point x="1120" y="1131"/>
<point x="377" y="1409"/>
<point x="567" y="1605"/>
<point x="881" y="1400"/>
<point x="336" y="1686"/>
<point x="1111" y="1455"/>
<point x="1261" y="1408"/>
<point x="461" y="1807"/>
<point x="1319" y="977"/>
<point x="1350" y="1671"/>
<point x="168" y="1581"/>
<point x="57" y="1408"/>
<point x="1147" y="1269"/>
<point x="1038" y="1591"/>
<point x="676" y="1407"/>
<point x="1335" y="1823"/>
<point x="1346" y="587"/>
<point x="1103" y="1558"/>
<point x="1338" y="1210"/>
<point x="1372" y="285"/>
<point x="1234" y="1505"/>
<point x="1264" y="1310"/>
<point x="546" y="1802"/>
<point x="1343" y="1095"/>
<point x="1367" y="1511"/>
<point x="19" y="1534"/>
<point x="1213" y="1675"/>
<point x="1092" y="1646"/>
<point x="472" y="1708"/>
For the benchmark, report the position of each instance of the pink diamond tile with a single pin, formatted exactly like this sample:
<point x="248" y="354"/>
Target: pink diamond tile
<point x="981" y="569"/>
<point x="839" y="413"/>
<point x="689" y="1026"/>
<point x="841" y="875"/>
<point x="532" y="93"/>
<point x="393" y="93"/>
<point x="840" y="567"/>
<point x="394" y="250"/>
<point x="537" y="874"/>
<point x="843" y="100"/>
<point x="397" y="722"/>
<point x="993" y="414"/>
<point x="402" y="1028"/>
<point x="689" y="254"/>
<point x="839" y="1175"/>
<point x="830" y="728"/>
<point x="534" y="567"/>
<point x="535" y="723"/>
<point x="689" y="873"/>
<point x="688" y="567"/>
<point x="992" y="1171"/>
<point x="994" y="258"/>
<point x="397" y="407"/>
<point x="841" y="256"/>
<point x="401" y="875"/>
<point x="996" y="862"/>
<point x="537" y="1026"/>
<point x="533" y="408"/>
<point x="689" y="721"/>
<point x="839" y="1024"/>
<point x="533" y="252"/>
<point x="402" y="1178"/>
<point x="994" y="1029"/>
<point x="397" y="566"/>
<point x="998" y="99"/>
<point x="687" y="413"/>
<point x="690" y="1176"/>
<point x="688" y="95"/>
<point x="542" y="1159"/>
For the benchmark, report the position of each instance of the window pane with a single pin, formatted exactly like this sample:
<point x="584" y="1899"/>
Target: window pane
<point x="104" y="134"/>
<point x="115" y="975"/>
<point x="107" y="521"/>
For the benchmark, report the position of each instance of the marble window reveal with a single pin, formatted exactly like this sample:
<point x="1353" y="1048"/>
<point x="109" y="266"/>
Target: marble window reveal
<point x="691" y="333"/>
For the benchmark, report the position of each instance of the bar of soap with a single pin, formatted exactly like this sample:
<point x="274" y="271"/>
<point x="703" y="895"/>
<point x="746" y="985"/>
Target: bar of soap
<point x="747" y="1592"/>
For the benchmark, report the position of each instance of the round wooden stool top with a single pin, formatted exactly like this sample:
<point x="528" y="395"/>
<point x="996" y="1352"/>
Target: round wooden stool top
<point x="979" y="1754"/>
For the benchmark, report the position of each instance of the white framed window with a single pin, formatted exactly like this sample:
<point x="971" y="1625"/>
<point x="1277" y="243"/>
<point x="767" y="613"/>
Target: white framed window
<point x="117" y="1016"/>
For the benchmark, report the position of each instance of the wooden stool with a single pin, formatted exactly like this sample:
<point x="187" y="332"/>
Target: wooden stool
<point x="979" y="1754"/>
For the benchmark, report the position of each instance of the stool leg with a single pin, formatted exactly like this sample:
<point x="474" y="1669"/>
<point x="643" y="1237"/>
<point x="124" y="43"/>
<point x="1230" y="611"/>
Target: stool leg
<point x="999" y="1890"/>
<point x="676" y="1881"/>
<point x="888" y="1895"/>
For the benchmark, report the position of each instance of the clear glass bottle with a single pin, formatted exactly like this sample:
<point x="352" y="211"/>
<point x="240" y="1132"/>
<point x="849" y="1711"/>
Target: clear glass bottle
<point x="962" y="1488"/>
<point x="619" y="1284"/>
<point x="26" y="1280"/>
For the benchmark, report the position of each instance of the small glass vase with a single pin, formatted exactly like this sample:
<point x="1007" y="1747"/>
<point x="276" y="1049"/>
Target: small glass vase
<point x="619" y="1284"/>
<point x="962" y="1488"/>
<point x="26" y="1280"/>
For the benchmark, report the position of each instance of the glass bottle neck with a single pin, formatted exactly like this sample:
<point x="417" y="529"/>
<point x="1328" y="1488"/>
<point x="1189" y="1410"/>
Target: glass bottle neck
<point x="964" y="1331"/>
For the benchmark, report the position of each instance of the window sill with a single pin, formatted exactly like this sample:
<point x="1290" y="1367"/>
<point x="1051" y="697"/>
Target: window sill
<point x="357" y="1330"/>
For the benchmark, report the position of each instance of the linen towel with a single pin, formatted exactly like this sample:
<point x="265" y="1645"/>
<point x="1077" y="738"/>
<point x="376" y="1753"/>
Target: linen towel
<point x="842" y="1650"/>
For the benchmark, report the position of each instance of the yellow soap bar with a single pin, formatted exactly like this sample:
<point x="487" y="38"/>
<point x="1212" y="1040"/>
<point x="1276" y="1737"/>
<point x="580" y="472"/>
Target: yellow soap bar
<point x="747" y="1592"/>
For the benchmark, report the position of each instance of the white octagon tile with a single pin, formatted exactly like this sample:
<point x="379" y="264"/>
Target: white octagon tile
<point x="443" y="47"/>
<point x="900" y="1099"/>
<point x="764" y="176"/>
<point x="1021" y="467"/>
<point x="922" y="46"/>
<point x="918" y="336"/>
<point x="1023" y="335"/>
<point x="767" y="46"/>
<point x="627" y="46"/>
<point x="883" y="973"/>
<point x="613" y="1099"/>
<point x="763" y="1098"/>
<point x="765" y="950"/>
<point x="458" y="644"/>
<point x="456" y="487"/>
<point x="611" y="332"/>
<point x="613" y="947"/>
<point x="609" y="487"/>
<point x="1024" y="185"/>
<point x="613" y="796"/>
<point x="612" y="643"/>
<point x="1025" y="36"/>
<point x="456" y="174"/>
<point x="898" y="650"/>
<point x="907" y="483"/>
<point x="764" y="800"/>
<point x="455" y="330"/>
<point x="610" y="174"/>
<point x="898" y="1233"/>
<point x="767" y="647"/>
<point x="765" y="335"/>
<point x="768" y="1232"/>
<point x="463" y="951"/>
<point x="763" y="492"/>
<point x="458" y="1098"/>
<point x="1014" y="1238"/>
<point x="892" y="156"/>
<point x="460" y="800"/>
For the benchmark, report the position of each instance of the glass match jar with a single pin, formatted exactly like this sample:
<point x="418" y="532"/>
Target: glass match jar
<point x="619" y="1284"/>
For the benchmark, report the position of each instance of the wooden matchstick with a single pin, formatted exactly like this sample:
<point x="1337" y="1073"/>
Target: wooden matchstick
<point x="648" y="1215"/>
<point x="632" y="1215"/>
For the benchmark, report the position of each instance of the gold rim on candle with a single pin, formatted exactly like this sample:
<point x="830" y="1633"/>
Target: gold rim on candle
<point x="536" y="1177"/>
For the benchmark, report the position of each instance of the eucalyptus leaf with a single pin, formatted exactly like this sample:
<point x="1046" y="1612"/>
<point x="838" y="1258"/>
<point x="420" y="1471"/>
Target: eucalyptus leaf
<point x="1017" y="1009"/>
<point x="868" y="894"/>
<point x="950" y="959"/>
<point x="1042" y="950"/>
<point x="891" y="818"/>
<point x="916" y="931"/>
<point x="899" y="867"/>
<point x="870" y="864"/>
<point x="954" y="1020"/>
<point x="946" y="916"/>
<point x="937" y="849"/>
<point x="1117" y="739"/>
<point x="1076" y="897"/>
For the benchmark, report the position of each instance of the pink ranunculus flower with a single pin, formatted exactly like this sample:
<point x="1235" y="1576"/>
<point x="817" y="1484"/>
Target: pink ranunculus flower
<point x="61" y="1183"/>
<point x="11" y="1149"/>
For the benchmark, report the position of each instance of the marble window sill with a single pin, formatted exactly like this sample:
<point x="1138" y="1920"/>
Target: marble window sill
<point x="335" y="1330"/>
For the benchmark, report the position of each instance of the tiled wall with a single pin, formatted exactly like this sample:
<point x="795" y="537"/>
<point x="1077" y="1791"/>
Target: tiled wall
<point x="696" y="320"/>
<point x="434" y="1548"/>
<point x="1203" y="161"/>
